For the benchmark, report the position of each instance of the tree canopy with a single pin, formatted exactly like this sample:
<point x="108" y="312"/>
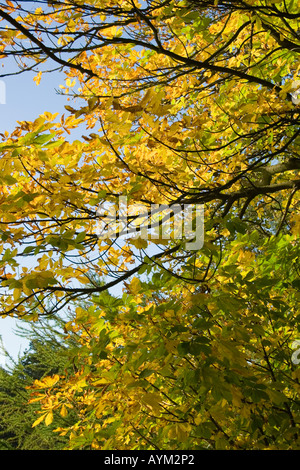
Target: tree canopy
<point x="181" y="104"/>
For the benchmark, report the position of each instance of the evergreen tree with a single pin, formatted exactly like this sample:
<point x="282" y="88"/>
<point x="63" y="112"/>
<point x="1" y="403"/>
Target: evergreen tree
<point x="46" y="355"/>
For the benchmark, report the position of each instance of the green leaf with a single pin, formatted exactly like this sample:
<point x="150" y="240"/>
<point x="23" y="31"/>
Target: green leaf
<point x="43" y="139"/>
<point x="80" y="237"/>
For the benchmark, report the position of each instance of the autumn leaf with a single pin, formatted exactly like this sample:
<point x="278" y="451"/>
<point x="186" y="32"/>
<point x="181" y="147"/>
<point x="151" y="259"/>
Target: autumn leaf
<point x="175" y="105"/>
<point x="37" y="78"/>
<point x="39" y="420"/>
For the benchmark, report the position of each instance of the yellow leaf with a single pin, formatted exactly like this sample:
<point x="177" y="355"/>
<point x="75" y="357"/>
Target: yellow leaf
<point x="49" y="418"/>
<point x="135" y="286"/>
<point x="37" y="78"/>
<point x="139" y="243"/>
<point x="63" y="411"/>
<point x="49" y="116"/>
<point x="152" y="400"/>
<point x="245" y="257"/>
<point x="47" y="381"/>
<point x="296" y="225"/>
<point x="99" y="409"/>
<point x="39" y="420"/>
<point x="198" y="419"/>
<point x="180" y="432"/>
<point x="225" y="232"/>
<point x="70" y="83"/>
<point x="17" y="294"/>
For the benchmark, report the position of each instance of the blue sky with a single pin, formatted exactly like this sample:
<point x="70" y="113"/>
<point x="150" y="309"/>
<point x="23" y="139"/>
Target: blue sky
<point x="25" y="101"/>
